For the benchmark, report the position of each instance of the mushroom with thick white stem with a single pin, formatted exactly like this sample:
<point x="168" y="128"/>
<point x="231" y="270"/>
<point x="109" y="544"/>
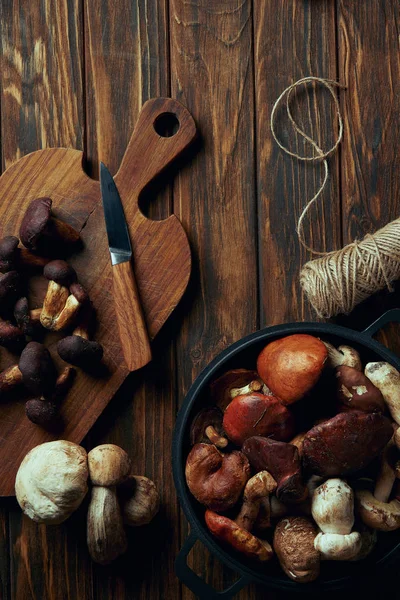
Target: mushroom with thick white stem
<point x="374" y="509"/>
<point x="109" y="466"/>
<point x="343" y="356"/>
<point x="332" y="508"/>
<point x="387" y="379"/>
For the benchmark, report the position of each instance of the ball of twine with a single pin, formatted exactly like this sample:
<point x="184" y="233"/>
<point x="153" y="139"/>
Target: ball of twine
<point x="339" y="280"/>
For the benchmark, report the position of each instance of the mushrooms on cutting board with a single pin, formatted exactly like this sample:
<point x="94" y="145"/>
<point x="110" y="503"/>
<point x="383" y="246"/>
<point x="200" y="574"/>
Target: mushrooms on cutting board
<point x="78" y="349"/>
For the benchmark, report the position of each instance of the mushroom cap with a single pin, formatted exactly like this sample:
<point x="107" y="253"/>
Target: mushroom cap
<point x="38" y="371"/>
<point x="294" y="546"/>
<point x="77" y="290"/>
<point x="228" y="532"/>
<point x="343" y="355"/>
<point x="216" y="480"/>
<point x="332" y="507"/>
<point x="108" y="465"/>
<point x="52" y="481"/>
<point x="79" y="351"/>
<point x="140" y="500"/>
<point x="256" y="414"/>
<point x="8" y="253"/>
<point x="35" y="221"/>
<point x="60" y="272"/>
<point x="387" y="379"/>
<point x="11" y="336"/>
<point x="207" y="416"/>
<point x="346" y="443"/>
<point x="384" y="516"/>
<point x="356" y="391"/>
<point x="23" y="317"/>
<point x="221" y="389"/>
<point x="292" y="365"/>
<point x="282" y="461"/>
<point x="9" y="286"/>
<point x="41" y="412"/>
<point x="334" y="546"/>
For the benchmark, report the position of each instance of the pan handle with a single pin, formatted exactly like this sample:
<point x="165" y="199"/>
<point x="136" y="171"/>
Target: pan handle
<point x="196" y="584"/>
<point x="390" y="316"/>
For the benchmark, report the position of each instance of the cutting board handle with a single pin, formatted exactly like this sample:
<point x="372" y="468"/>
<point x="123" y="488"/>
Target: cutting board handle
<point x="148" y="153"/>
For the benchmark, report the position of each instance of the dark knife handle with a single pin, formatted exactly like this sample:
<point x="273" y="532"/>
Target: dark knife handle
<point x="131" y="324"/>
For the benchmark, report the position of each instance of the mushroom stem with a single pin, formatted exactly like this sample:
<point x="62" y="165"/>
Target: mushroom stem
<point x="214" y="437"/>
<point x="28" y="260"/>
<point x="62" y="231"/>
<point x="254" y="386"/>
<point x="10" y="378"/>
<point x="258" y="488"/>
<point x="387" y="475"/>
<point x="343" y="356"/>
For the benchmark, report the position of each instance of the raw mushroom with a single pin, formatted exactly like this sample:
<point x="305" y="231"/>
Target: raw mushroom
<point x="10" y="284"/>
<point x="294" y="546"/>
<point x="374" y="509"/>
<point x="109" y="466"/>
<point x="256" y="414"/>
<point x="140" y="500"/>
<point x="387" y="379"/>
<point x="11" y="337"/>
<point x="77" y="298"/>
<point x="207" y="428"/>
<point x="346" y="443"/>
<point x="10" y="378"/>
<point x="13" y="258"/>
<point x="258" y="490"/>
<point x="298" y="441"/>
<point x="291" y="366"/>
<point x="40" y="231"/>
<point x="77" y="349"/>
<point x="332" y="508"/>
<point x="343" y="356"/>
<point x="37" y="368"/>
<point x="28" y="320"/>
<point x="356" y="391"/>
<point x="44" y="410"/>
<point x="216" y="480"/>
<point x="60" y="276"/>
<point x="282" y="461"/>
<point x="52" y="481"/>
<point x="234" y="383"/>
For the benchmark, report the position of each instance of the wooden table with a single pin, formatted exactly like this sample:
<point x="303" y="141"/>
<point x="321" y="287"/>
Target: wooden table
<point x="75" y="73"/>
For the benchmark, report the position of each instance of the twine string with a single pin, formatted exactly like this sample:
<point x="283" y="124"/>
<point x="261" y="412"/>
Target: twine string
<point x="340" y="279"/>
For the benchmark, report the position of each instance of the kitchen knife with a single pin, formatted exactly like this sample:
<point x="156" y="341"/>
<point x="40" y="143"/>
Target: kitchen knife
<point x="131" y="324"/>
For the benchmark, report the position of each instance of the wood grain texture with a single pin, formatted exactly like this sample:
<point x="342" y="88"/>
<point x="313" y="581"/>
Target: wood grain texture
<point x="212" y="73"/>
<point x="292" y="40"/>
<point x="132" y="328"/>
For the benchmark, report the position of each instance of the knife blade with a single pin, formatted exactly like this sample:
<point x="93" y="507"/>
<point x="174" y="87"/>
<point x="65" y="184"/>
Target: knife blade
<point x="130" y="319"/>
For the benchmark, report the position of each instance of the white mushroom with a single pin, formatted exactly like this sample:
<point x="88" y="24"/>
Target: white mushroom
<point x="387" y="379"/>
<point x="332" y="507"/>
<point x="52" y="481"/>
<point x="343" y="355"/>
<point x="335" y="546"/>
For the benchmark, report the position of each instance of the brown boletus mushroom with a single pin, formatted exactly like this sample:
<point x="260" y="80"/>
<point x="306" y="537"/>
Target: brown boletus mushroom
<point x="28" y="320"/>
<point x="343" y="356"/>
<point x="215" y="479"/>
<point x="207" y="428"/>
<point x="234" y="383"/>
<point x="387" y="379"/>
<point x="11" y="337"/>
<point x="42" y="232"/>
<point x="291" y="366"/>
<point x="294" y="546"/>
<point x="77" y="349"/>
<point x="356" y="391"/>
<point x="282" y="461"/>
<point x="230" y="533"/>
<point x="44" y="410"/>
<point x="257" y="490"/>
<point x="13" y="258"/>
<point x="346" y="443"/>
<point x="256" y="414"/>
<point x="60" y="276"/>
<point x="77" y="298"/>
<point x="38" y="371"/>
<point x="139" y="499"/>
<point x="10" y="284"/>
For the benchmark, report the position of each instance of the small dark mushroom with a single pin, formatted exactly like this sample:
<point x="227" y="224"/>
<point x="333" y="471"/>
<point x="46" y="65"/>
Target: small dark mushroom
<point x="207" y="428"/>
<point x="37" y="368"/>
<point x="42" y="232"/>
<point x="27" y="320"/>
<point x="14" y="258"/>
<point x="44" y="410"/>
<point x="10" y="284"/>
<point x="57" y="300"/>
<point x="11" y="337"/>
<point x="77" y="349"/>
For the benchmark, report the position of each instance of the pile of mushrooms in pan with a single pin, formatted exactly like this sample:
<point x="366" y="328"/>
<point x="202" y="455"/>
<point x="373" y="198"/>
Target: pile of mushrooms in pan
<point x="300" y="457"/>
<point x="66" y="308"/>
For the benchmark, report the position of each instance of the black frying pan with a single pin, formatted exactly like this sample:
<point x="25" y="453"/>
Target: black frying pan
<point x="334" y="575"/>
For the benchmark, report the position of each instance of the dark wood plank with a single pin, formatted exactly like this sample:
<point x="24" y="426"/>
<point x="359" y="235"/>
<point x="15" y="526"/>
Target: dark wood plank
<point x="41" y="105"/>
<point x="127" y="63"/>
<point x="293" y="40"/>
<point x="212" y="74"/>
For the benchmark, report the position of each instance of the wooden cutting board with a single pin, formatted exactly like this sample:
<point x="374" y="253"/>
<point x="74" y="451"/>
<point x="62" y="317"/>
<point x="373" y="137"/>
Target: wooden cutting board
<point x="161" y="262"/>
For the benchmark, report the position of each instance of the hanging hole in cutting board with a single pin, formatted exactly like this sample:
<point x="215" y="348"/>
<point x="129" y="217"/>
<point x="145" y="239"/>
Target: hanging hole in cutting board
<point x="166" y="125"/>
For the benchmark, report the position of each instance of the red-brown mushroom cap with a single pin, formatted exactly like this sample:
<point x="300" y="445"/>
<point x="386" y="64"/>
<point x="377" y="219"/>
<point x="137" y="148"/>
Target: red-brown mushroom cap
<point x="10" y="284"/>
<point x="35" y="221"/>
<point x="221" y="389"/>
<point x="356" y="391"/>
<point x="346" y="443"/>
<point x="215" y="479"/>
<point x="229" y="532"/>
<point x="291" y="366"/>
<point x="282" y="461"/>
<point x="60" y="272"/>
<point x="37" y="368"/>
<point x="79" y="351"/>
<point x="41" y="412"/>
<point x="256" y="414"/>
